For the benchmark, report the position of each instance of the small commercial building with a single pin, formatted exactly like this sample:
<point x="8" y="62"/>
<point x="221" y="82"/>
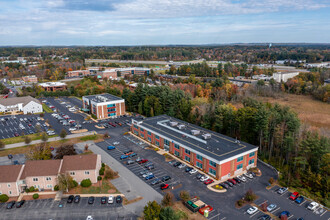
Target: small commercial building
<point x="104" y="105"/>
<point x="218" y="155"/>
<point x="31" y="79"/>
<point x="26" y="104"/>
<point x="78" y="73"/>
<point x="53" y="86"/>
<point x="284" y="76"/>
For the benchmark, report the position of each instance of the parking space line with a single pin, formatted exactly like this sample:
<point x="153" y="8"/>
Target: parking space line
<point x="303" y="202"/>
<point x="263" y="202"/>
<point x="275" y="210"/>
<point x="290" y="216"/>
<point x="254" y="214"/>
<point x="323" y="212"/>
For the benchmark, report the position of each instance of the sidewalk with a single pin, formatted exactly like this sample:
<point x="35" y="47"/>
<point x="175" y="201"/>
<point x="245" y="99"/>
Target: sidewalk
<point x="22" y="144"/>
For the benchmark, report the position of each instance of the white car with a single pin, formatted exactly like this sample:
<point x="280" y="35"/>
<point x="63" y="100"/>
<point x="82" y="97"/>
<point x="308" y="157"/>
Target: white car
<point x="182" y="166"/>
<point x="89" y="217"/>
<point x="271" y="207"/>
<point x="312" y="206"/>
<point x="252" y="210"/>
<point x="72" y="109"/>
<point x="115" y="143"/>
<point x="72" y="129"/>
<point x="146" y="174"/>
<point x="193" y="171"/>
<point x="242" y="178"/>
<point x="248" y="175"/>
<point x="110" y="200"/>
<point x="204" y="178"/>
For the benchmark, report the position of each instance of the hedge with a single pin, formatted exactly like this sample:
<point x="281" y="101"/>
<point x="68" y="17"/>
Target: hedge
<point x="86" y="183"/>
<point x="3" y="198"/>
<point x="35" y="196"/>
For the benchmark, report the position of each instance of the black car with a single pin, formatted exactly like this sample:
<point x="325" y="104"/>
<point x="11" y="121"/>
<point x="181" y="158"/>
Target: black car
<point x="20" y="203"/>
<point x="253" y="174"/>
<point x="165" y="178"/>
<point x="264" y="217"/>
<point x="188" y="169"/>
<point x="155" y="181"/>
<point x="10" y="156"/>
<point x="77" y="199"/>
<point x="119" y="199"/>
<point x="229" y="183"/>
<point x="177" y="164"/>
<point x="10" y="205"/>
<point x="150" y="167"/>
<point x="103" y="200"/>
<point x="198" y="176"/>
<point x="237" y="180"/>
<point x="91" y="200"/>
<point x="70" y="199"/>
<point x="224" y="185"/>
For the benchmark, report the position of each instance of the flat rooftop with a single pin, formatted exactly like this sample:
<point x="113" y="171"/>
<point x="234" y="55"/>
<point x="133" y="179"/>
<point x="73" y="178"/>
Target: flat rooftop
<point x="105" y="97"/>
<point x="51" y="84"/>
<point x="205" y="142"/>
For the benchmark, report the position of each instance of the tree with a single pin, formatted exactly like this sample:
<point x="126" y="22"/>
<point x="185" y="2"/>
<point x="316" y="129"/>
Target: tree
<point x="4" y="198"/>
<point x="65" y="182"/>
<point x="27" y="139"/>
<point x="63" y="133"/>
<point x="249" y="196"/>
<point x="184" y="195"/>
<point x="110" y="174"/>
<point x="65" y="150"/>
<point x="2" y="144"/>
<point x="44" y="137"/>
<point x="168" y="213"/>
<point x="260" y="83"/>
<point x="38" y="128"/>
<point x="168" y="199"/>
<point x="151" y="211"/>
<point x="86" y="183"/>
<point x="35" y="196"/>
<point x="39" y="152"/>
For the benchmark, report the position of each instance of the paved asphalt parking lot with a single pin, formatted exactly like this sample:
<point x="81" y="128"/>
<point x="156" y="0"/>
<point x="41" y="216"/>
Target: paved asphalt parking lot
<point x="49" y="209"/>
<point x="223" y="203"/>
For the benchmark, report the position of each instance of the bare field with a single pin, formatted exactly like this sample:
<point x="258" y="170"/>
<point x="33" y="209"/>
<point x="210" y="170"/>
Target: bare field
<point x="310" y="111"/>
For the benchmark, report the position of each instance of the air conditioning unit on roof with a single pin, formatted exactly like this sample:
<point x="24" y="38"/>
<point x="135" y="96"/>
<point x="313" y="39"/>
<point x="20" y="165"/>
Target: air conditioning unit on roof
<point x="206" y="136"/>
<point x="173" y="123"/>
<point x="181" y="127"/>
<point x="195" y="132"/>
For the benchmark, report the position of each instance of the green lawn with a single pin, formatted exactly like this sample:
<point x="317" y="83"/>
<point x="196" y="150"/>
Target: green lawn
<point x="46" y="108"/>
<point x="104" y="189"/>
<point x="89" y="138"/>
<point x="19" y="139"/>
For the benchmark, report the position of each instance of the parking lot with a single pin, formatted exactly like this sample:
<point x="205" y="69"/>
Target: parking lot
<point x="49" y="209"/>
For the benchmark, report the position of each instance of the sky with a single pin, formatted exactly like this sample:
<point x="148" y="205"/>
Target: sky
<point x="162" y="22"/>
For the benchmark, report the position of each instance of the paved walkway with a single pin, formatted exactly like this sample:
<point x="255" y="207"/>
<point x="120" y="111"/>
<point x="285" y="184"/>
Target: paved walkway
<point x="128" y="183"/>
<point x="22" y="144"/>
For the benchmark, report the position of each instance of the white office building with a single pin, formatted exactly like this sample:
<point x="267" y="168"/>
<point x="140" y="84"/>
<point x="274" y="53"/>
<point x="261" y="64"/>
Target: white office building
<point x="26" y="104"/>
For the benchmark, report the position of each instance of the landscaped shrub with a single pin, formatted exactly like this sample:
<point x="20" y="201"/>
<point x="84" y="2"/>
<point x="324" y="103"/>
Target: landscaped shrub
<point x="3" y="198"/>
<point x="32" y="189"/>
<point x="35" y="196"/>
<point x="250" y="196"/>
<point x="110" y="174"/>
<point x="271" y="180"/>
<point x="86" y="183"/>
<point x="103" y="165"/>
<point x="56" y="188"/>
<point x="75" y="183"/>
<point x="101" y="172"/>
<point x="240" y="202"/>
<point x="99" y="178"/>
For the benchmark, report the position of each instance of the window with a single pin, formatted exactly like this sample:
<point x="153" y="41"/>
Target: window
<point x="176" y="153"/>
<point x="149" y="139"/>
<point x="135" y="126"/>
<point x="239" y="166"/>
<point x="166" y="142"/>
<point x="111" y="105"/>
<point x="187" y="151"/>
<point x="239" y="159"/>
<point x="149" y="133"/>
<point x="48" y="178"/>
<point x="199" y="157"/>
<point x="251" y="161"/>
<point x="141" y="129"/>
<point x="157" y="143"/>
<point x="86" y="172"/>
<point x="35" y="179"/>
<point x="49" y="186"/>
<point x="212" y="171"/>
<point x="252" y="154"/>
<point x="111" y="109"/>
<point x="72" y="173"/>
<point x="156" y="136"/>
<point x="142" y="135"/>
<point x="187" y="158"/>
<point x="9" y="192"/>
<point x="136" y="132"/>
<point x="177" y="146"/>
<point x="200" y="165"/>
<point x="213" y="164"/>
<point x="8" y="185"/>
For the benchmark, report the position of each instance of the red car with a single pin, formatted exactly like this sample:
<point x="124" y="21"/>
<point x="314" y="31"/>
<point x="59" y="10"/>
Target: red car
<point x="232" y="181"/>
<point x="294" y="196"/>
<point x="208" y="208"/>
<point x="16" y="134"/>
<point x="164" y="186"/>
<point x="143" y="161"/>
<point x="209" y="181"/>
<point x="29" y="125"/>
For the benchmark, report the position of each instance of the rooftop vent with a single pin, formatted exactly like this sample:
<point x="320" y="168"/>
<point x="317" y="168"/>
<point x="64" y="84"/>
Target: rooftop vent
<point x="181" y="127"/>
<point x="206" y="136"/>
<point x="173" y="123"/>
<point x="195" y="132"/>
<point x="237" y="141"/>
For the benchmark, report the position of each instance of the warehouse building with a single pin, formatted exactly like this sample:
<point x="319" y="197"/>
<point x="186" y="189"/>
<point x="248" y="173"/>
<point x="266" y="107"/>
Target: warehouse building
<point x="220" y="156"/>
<point x="104" y="105"/>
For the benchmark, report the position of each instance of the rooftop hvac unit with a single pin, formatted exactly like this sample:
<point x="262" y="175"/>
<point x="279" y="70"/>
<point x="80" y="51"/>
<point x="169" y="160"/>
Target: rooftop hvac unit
<point x="181" y="127"/>
<point x="206" y="136"/>
<point x="195" y="132"/>
<point x="173" y="123"/>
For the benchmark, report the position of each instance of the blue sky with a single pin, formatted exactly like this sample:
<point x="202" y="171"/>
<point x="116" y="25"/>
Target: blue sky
<point x="150" y="22"/>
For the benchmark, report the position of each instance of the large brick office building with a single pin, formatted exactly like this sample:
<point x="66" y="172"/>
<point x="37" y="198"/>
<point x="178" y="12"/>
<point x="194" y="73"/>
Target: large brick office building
<point x="220" y="156"/>
<point x="104" y="105"/>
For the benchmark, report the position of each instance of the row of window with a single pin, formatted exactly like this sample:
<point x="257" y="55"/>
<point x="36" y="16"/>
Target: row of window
<point x="111" y="109"/>
<point x="241" y="158"/>
<point x="111" y="114"/>
<point x="111" y="105"/>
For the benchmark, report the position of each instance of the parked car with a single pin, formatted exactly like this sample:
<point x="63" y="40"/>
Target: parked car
<point x="229" y="183"/>
<point x="282" y="190"/>
<point x="209" y="181"/>
<point x="177" y="164"/>
<point x="284" y="213"/>
<point x="182" y="165"/>
<point x="70" y="199"/>
<point x="271" y="207"/>
<point x="224" y="185"/>
<point x="103" y="200"/>
<point x="130" y="162"/>
<point x="20" y="204"/>
<point x="16" y="134"/>
<point x="122" y="157"/>
<point x="300" y="199"/>
<point x="119" y="199"/>
<point x="164" y="186"/>
<point x="188" y="169"/>
<point x="252" y="210"/>
<point x="248" y="175"/>
<point x="199" y="176"/>
<point x="208" y="208"/>
<point x="294" y="196"/>
<point x="204" y="178"/>
<point x="138" y="159"/>
<point x="312" y="206"/>
<point x="143" y="161"/>
<point x="128" y="152"/>
<point x="110" y="199"/>
<point x="115" y="143"/>
<point x="150" y="176"/>
<point x="111" y="147"/>
<point x="193" y="171"/>
<point x="91" y="200"/>
<point x="72" y="129"/>
<point x="155" y="181"/>
<point x="165" y="178"/>
<point x="76" y="199"/>
<point x="144" y="172"/>
<point x="150" y="167"/>
<point x="237" y="180"/>
<point x="232" y="181"/>
<point x="133" y="155"/>
<point x="10" y="205"/>
<point x="264" y="217"/>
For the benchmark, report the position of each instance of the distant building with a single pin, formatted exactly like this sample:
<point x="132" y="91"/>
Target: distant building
<point x="262" y="77"/>
<point x="32" y="79"/>
<point x="9" y="179"/>
<point x="26" y="104"/>
<point x="53" y="86"/>
<point x="284" y="76"/>
<point x="104" y="105"/>
<point x="318" y="65"/>
<point x="78" y="73"/>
